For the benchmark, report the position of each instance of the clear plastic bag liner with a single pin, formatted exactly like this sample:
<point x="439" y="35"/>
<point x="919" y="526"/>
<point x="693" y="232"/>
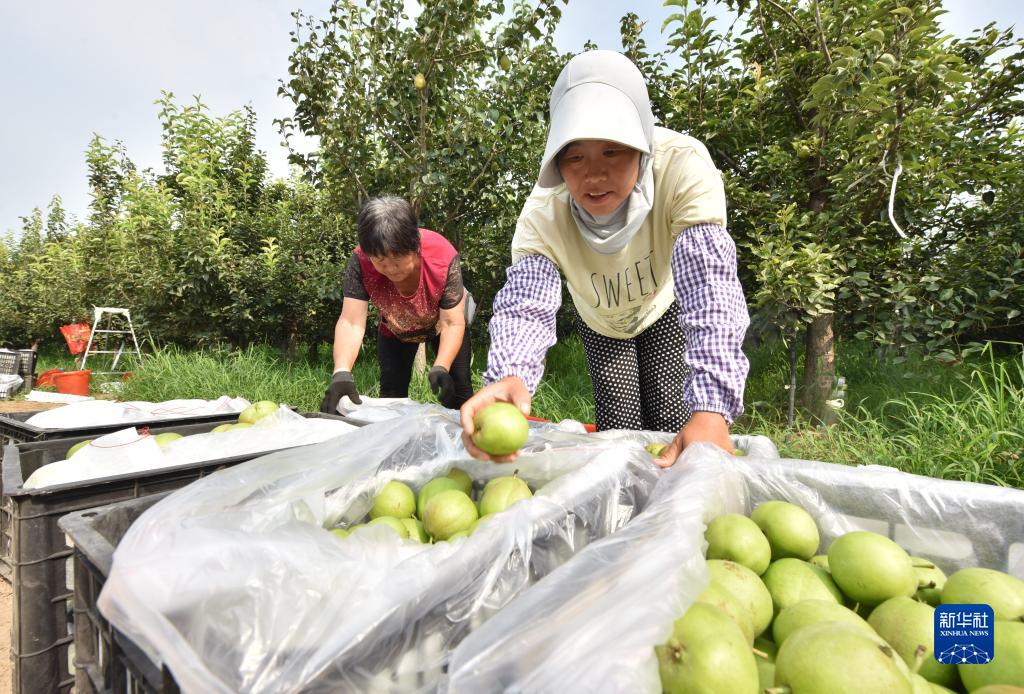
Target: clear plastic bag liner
<point x="105" y="412"/>
<point x="593" y="623"/>
<point x="127" y="451"/>
<point x="235" y="584"/>
<point x="748" y="445"/>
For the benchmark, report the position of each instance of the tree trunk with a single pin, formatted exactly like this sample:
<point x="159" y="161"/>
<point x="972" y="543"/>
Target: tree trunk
<point x="819" y="369"/>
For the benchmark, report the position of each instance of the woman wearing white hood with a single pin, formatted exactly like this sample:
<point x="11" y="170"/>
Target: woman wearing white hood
<point x="633" y="216"/>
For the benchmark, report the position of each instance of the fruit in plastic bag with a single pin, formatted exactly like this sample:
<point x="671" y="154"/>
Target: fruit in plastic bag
<point x="747" y="587"/>
<point x="500" y="429"/>
<point x="790" y="530"/>
<point x="930" y="580"/>
<point x="839" y="658"/>
<point x="434" y="486"/>
<point x="808" y="612"/>
<point x="257" y="411"/>
<point x="706" y="654"/>
<point x="737" y="538"/>
<point x="907" y="624"/>
<point x="1007" y="666"/>
<point x="764" y="656"/>
<point x="77" y="447"/>
<point x="416" y="530"/>
<point x="220" y="428"/>
<point x="791" y="580"/>
<point x="463" y="479"/>
<point x="165" y="438"/>
<point x="655" y="449"/>
<point x="722" y="598"/>
<point x="393" y="523"/>
<point x="502" y="492"/>
<point x="449" y="512"/>
<point x="395" y="499"/>
<point x="870" y="568"/>
<point x="1005" y="593"/>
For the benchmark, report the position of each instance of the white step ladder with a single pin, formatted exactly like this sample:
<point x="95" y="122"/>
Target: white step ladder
<point x="99" y="337"/>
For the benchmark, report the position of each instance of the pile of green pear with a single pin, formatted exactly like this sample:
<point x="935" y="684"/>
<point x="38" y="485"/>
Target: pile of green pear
<point x="778" y="617"/>
<point x="444" y="508"/>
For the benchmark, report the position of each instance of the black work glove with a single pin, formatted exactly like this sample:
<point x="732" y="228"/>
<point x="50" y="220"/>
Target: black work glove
<point x="341" y="384"/>
<point x="443" y="385"/>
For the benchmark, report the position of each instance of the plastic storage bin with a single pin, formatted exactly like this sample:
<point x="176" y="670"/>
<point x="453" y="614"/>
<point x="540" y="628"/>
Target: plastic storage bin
<point x="37" y="553"/>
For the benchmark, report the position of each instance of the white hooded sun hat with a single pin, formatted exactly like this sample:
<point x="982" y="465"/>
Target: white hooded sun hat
<point x="599" y="95"/>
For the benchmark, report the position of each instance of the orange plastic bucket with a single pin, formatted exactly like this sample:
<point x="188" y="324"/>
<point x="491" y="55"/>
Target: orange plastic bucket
<point x="72" y="382"/>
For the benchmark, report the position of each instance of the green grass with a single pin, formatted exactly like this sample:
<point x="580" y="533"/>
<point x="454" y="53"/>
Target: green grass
<point x="964" y="421"/>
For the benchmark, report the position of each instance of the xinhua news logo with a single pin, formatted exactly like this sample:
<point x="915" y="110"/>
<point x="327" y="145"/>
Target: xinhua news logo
<point x="964" y="634"/>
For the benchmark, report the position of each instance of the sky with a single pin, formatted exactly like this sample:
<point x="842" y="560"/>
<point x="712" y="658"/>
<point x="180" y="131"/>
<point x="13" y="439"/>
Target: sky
<point x="73" y="68"/>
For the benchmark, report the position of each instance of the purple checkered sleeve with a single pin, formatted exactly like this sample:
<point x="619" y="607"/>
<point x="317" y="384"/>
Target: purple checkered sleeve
<point x="523" y="324"/>
<point x="713" y="315"/>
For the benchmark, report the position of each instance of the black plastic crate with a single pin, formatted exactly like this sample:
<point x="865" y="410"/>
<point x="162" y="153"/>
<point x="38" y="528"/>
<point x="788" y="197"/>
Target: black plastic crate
<point x="15" y="429"/>
<point x="9" y="360"/>
<point x="105" y="660"/>
<point x="38" y="554"/>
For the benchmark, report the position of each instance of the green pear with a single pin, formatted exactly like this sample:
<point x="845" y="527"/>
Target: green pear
<point x="747" y="587"/>
<point x="501" y="493"/>
<point x="427" y="492"/>
<point x="341" y="532"/>
<point x="500" y="429"/>
<point x="416" y="530"/>
<point x="930" y="580"/>
<point x="719" y="596"/>
<point x="1005" y="593"/>
<point x="77" y="447"/>
<point x="655" y="449"/>
<point x="463" y="479"/>
<point x="920" y="684"/>
<point x="838" y="658"/>
<point x="870" y="568"/>
<point x="448" y="512"/>
<point x="997" y="689"/>
<point x="737" y="538"/>
<point x="906" y="625"/>
<point x="221" y="428"/>
<point x="791" y="580"/>
<point x="165" y="438"/>
<point x="706" y="654"/>
<point x="393" y="523"/>
<point x="820" y="560"/>
<point x="790" y="530"/>
<point x="458" y="536"/>
<point x="257" y="411"/>
<point x="764" y="657"/>
<point x="812" y="612"/>
<point x="1007" y="666"/>
<point x="395" y="499"/>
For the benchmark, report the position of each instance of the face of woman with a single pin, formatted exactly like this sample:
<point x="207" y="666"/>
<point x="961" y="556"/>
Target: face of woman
<point x="397" y="268"/>
<point x="599" y="174"/>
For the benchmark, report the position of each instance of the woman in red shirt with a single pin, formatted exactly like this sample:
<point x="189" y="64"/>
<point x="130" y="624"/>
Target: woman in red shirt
<point x="413" y="277"/>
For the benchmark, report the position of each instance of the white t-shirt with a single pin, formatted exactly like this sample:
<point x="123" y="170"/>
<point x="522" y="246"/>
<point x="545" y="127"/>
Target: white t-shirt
<point x="622" y="294"/>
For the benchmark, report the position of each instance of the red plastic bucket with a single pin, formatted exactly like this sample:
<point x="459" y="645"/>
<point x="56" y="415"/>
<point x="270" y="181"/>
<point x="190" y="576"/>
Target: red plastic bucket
<point x="72" y="382"/>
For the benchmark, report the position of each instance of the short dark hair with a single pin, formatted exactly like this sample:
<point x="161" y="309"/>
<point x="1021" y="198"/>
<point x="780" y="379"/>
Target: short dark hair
<point x="388" y="226"/>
